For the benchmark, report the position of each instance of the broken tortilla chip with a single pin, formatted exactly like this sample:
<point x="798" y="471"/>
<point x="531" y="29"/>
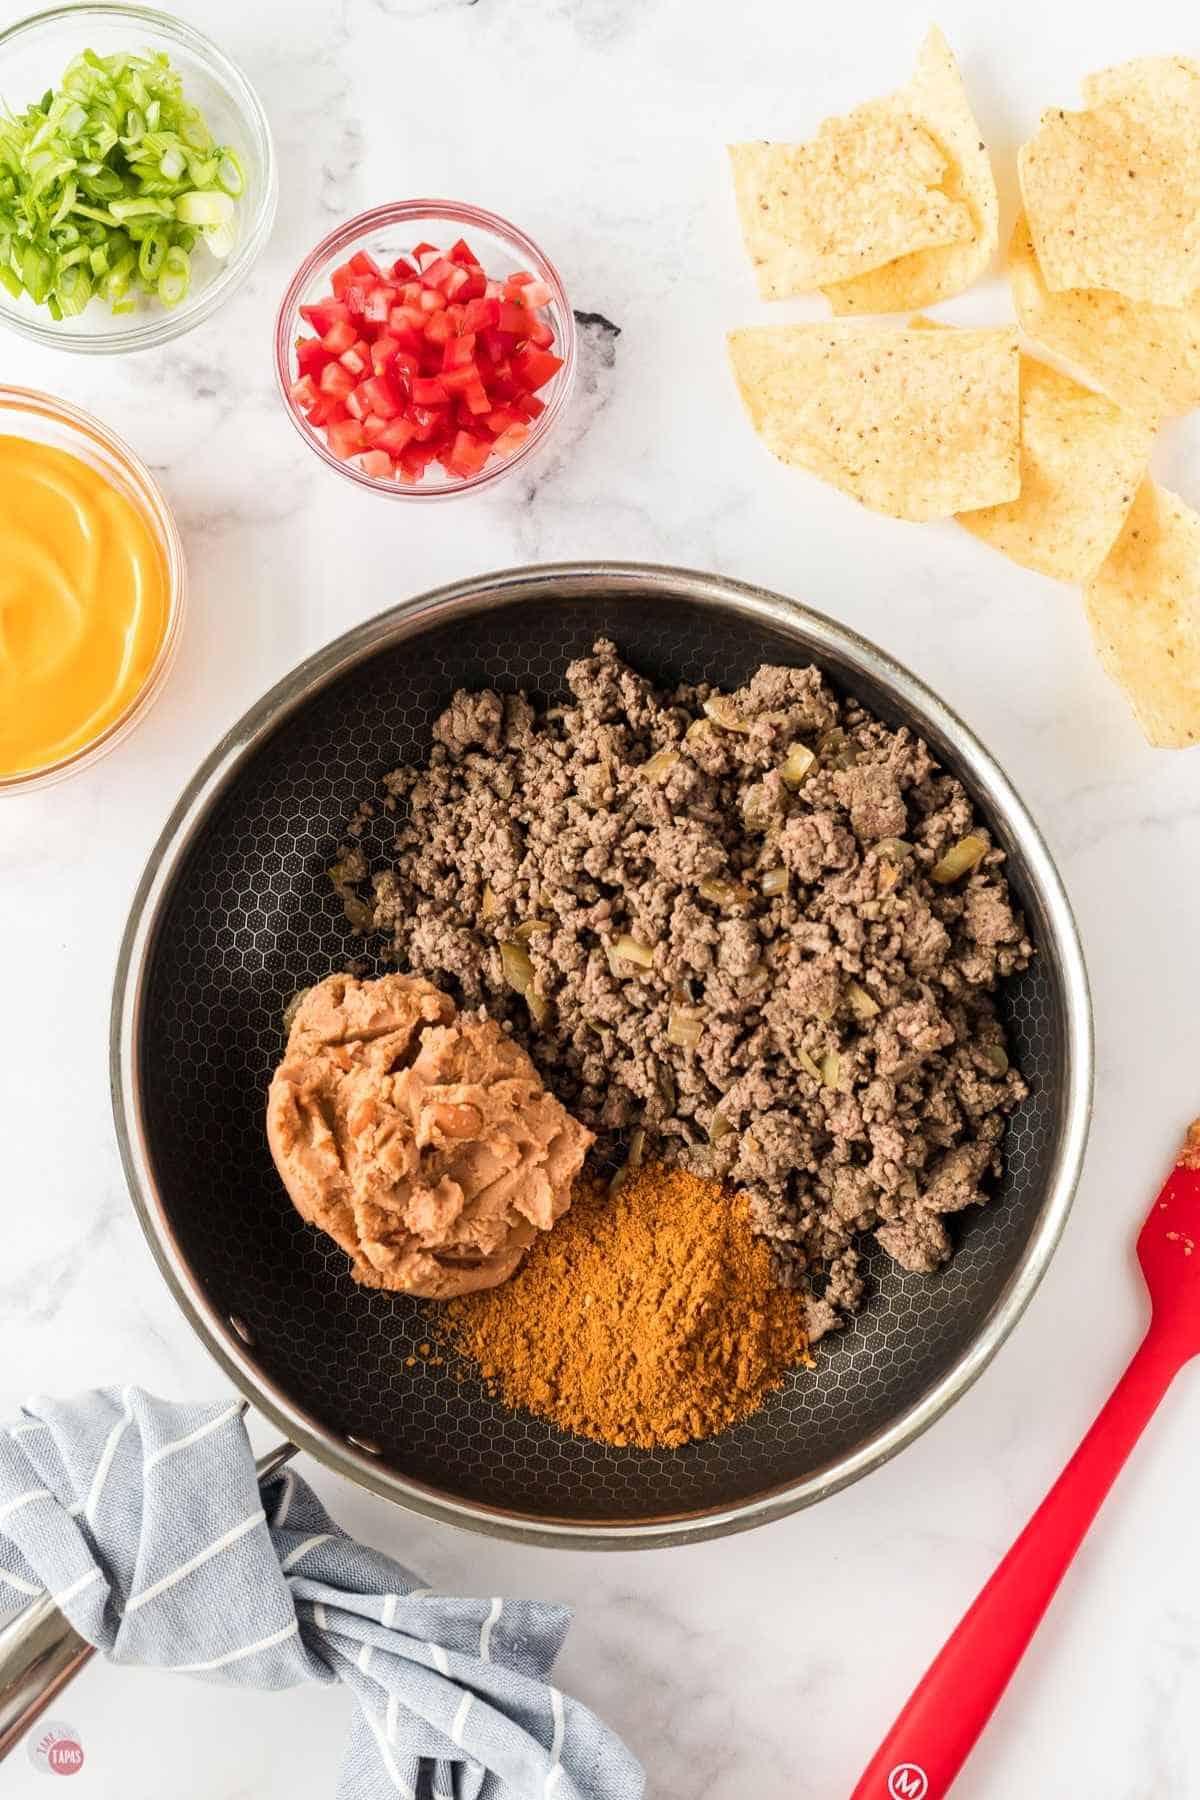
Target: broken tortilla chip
<point x="864" y="191"/>
<point x="917" y="424"/>
<point x="937" y="100"/>
<point x="1082" y="461"/>
<point x="1146" y="82"/>
<point x="1144" y="609"/>
<point x="1147" y="357"/>
<point x="1112" y="194"/>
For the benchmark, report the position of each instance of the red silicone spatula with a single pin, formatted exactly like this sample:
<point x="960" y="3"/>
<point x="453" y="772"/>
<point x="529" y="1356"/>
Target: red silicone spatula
<point x="934" y="1734"/>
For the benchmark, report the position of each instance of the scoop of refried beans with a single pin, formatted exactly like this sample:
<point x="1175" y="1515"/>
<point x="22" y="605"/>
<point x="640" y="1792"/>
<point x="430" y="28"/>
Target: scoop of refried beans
<point x="717" y="929"/>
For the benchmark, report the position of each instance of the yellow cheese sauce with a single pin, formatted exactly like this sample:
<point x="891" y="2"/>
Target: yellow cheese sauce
<point x="84" y="604"/>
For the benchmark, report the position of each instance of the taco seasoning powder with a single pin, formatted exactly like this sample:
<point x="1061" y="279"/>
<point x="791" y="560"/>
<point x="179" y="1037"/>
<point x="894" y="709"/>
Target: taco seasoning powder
<point x="646" y="1318"/>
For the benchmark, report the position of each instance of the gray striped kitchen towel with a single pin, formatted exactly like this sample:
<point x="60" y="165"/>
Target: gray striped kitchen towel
<point x="145" y="1522"/>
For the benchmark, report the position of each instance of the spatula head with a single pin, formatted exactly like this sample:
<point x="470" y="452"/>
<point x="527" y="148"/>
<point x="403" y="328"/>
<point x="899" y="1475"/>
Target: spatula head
<point x="1169" y="1246"/>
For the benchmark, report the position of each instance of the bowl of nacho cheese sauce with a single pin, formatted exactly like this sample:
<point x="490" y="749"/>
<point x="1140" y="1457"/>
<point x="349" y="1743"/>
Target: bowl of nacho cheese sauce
<point x="92" y="590"/>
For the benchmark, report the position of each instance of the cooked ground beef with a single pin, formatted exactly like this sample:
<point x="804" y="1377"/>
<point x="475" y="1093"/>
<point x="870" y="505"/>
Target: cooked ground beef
<point x="670" y="875"/>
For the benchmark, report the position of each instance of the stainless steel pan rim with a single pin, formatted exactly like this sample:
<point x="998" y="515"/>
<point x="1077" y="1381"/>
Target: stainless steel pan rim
<point x="562" y="582"/>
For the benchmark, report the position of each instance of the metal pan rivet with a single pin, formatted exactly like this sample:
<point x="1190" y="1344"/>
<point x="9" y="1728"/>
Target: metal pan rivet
<point x="242" y="1329"/>
<point x="367" y="1444"/>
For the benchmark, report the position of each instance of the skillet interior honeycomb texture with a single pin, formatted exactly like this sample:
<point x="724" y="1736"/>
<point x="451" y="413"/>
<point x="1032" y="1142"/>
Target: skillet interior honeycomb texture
<point x="252" y="918"/>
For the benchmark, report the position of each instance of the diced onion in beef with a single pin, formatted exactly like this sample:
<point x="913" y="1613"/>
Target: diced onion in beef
<point x="796" y="765"/>
<point x="721" y="710"/>
<point x="659" y="766"/>
<point x="685" y="1026"/>
<point x="959" y="860"/>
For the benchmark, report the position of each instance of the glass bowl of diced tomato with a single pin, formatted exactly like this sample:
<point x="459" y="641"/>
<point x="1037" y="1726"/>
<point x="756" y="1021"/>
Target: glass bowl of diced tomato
<point x="425" y="349"/>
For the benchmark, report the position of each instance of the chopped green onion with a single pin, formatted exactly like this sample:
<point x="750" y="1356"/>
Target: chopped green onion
<point x="74" y="289"/>
<point x="204" y="209"/>
<point x="176" y="276"/>
<point x="230" y="175"/>
<point x="154" y="248"/>
<point x="138" y="209"/>
<point x="108" y="183"/>
<point x="220" y="240"/>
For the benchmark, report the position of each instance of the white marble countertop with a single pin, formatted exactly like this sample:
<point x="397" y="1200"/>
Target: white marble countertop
<point x="770" y="1664"/>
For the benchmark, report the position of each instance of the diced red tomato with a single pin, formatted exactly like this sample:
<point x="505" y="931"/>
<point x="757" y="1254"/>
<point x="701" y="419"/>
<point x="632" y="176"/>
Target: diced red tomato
<point x="345" y="438"/>
<point x="459" y="351"/>
<point x="513" y="319"/>
<point x="327" y="411"/>
<point x="383" y="354"/>
<point x="304" y="392"/>
<point x="534" y="368"/>
<point x="380" y="397"/>
<point x="430" y="362"/>
<point x="396" y="434"/>
<point x="481" y="315"/>
<point x="476" y="398"/>
<point x="498" y="422"/>
<point x="440" y="328"/>
<point x="339" y="337"/>
<point x="380" y="301"/>
<point x="457" y="381"/>
<point x="512" y="440"/>
<point x="323" y="314"/>
<point x="467" y="455"/>
<point x="357" y="358"/>
<point x="311" y="355"/>
<point x="335" y="380"/>
<point x="439" y="273"/>
<point x="426" y="422"/>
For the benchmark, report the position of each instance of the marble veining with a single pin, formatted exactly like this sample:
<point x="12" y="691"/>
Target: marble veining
<point x="766" y="1665"/>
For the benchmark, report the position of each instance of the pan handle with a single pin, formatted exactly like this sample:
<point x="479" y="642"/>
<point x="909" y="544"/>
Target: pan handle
<point x="41" y="1651"/>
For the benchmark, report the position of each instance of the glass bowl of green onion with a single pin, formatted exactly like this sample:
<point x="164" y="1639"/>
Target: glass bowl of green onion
<point x="137" y="178"/>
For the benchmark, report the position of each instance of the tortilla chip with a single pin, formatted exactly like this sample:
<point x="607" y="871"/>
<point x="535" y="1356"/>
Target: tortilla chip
<point x="1082" y="460"/>
<point x="1144" y="610"/>
<point x="1147" y="357"/>
<point x="936" y="98"/>
<point x="1112" y="196"/>
<point x="918" y="424"/>
<point x="1145" y="82"/>
<point x="864" y="191"/>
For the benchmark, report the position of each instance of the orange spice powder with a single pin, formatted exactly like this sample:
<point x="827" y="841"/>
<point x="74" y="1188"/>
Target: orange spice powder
<point x="649" y="1318"/>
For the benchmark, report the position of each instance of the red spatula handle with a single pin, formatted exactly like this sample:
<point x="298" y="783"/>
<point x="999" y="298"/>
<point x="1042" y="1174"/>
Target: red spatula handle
<point x="933" y="1736"/>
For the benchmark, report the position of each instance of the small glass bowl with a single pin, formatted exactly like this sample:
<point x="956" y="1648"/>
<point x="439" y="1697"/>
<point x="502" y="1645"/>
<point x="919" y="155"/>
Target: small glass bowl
<point x="33" y="56"/>
<point x="26" y="414"/>
<point x="391" y="231"/>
